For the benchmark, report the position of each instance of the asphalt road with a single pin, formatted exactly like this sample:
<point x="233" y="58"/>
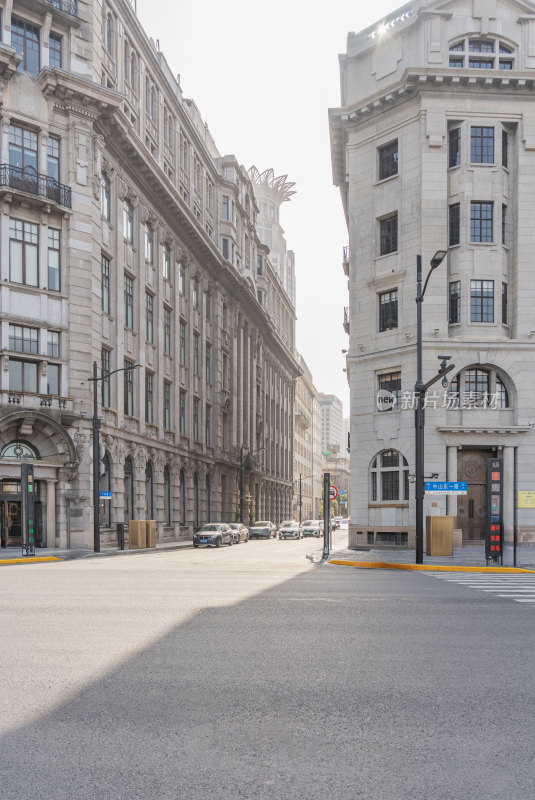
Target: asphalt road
<point x="251" y="672"/>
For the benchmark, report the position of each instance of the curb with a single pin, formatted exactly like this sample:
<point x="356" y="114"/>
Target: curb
<point x="427" y="567"/>
<point x="29" y="560"/>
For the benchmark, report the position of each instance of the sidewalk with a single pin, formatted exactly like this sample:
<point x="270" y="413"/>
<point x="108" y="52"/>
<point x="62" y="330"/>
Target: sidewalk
<point x="470" y="556"/>
<point x="14" y="554"/>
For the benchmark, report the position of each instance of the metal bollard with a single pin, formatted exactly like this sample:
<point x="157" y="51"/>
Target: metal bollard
<point x="120" y="535"/>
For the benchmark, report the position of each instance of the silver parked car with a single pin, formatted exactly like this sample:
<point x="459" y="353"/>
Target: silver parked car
<point x="240" y="531"/>
<point x="262" y="530"/>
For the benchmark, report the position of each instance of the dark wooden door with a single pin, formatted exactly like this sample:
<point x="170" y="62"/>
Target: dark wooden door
<point x="472" y="507"/>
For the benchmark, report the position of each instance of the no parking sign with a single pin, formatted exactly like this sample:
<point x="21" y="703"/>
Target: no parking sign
<point x="333" y="492"/>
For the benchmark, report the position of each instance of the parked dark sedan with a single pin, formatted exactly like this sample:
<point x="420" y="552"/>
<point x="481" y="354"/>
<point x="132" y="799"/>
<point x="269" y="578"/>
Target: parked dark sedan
<point x="240" y="531"/>
<point x="262" y="530"/>
<point x="214" y="534"/>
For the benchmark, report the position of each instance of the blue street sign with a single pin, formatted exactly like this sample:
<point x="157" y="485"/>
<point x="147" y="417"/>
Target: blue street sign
<point x="105" y="495"/>
<point x="445" y="487"/>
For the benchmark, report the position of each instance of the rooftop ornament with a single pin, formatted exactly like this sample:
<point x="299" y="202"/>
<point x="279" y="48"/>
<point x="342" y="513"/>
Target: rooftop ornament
<point x="387" y="26"/>
<point x="280" y="184"/>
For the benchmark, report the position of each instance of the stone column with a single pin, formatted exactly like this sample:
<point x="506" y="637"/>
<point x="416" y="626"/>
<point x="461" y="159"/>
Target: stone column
<point x="50" y="512"/>
<point x="508" y="492"/>
<point x="451" y="475"/>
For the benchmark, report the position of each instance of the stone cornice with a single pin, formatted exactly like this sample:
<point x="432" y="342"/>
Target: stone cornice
<point x="79" y="95"/>
<point x="494" y="429"/>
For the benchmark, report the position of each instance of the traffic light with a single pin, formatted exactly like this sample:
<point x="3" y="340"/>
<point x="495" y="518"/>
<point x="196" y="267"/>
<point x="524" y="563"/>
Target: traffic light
<point x="101" y="460"/>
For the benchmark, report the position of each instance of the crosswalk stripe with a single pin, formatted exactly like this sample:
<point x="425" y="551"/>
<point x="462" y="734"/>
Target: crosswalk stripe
<point x="519" y="589"/>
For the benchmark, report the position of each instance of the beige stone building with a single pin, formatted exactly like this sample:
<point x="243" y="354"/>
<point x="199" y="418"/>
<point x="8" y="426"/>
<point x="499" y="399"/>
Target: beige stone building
<point x="307" y="447"/>
<point x="433" y="149"/>
<point x="128" y="240"/>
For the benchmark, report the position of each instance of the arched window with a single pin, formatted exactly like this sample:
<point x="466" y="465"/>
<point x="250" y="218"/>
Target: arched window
<point x="477" y="387"/>
<point x="167" y="495"/>
<point x="182" y="497"/>
<point x="196" y="499"/>
<point x="389" y="477"/>
<point x="128" y="490"/>
<point x="208" y="500"/>
<point x="148" y="490"/>
<point x="105" y="486"/>
<point x="20" y="450"/>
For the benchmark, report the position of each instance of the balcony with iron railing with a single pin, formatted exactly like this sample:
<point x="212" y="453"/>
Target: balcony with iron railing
<point x="67" y="6"/>
<point x="29" y="181"/>
<point x="345" y="260"/>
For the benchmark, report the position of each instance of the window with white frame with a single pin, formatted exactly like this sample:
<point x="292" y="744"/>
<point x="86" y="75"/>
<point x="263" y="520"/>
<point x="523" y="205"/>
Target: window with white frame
<point x="23" y="252"/>
<point x="389" y="476"/>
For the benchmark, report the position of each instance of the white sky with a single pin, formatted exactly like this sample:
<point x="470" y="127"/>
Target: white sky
<point x="263" y="76"/>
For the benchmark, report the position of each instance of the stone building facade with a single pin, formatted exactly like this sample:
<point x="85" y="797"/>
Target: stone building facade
<point x="433" y="149"/>
<point x="128" y="240"/>
<point x="307" y="447"/>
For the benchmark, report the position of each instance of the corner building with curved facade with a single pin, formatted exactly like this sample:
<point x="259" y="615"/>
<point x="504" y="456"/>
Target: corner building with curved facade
<point x="433" y="148"/>
<point x="128" y="240"/>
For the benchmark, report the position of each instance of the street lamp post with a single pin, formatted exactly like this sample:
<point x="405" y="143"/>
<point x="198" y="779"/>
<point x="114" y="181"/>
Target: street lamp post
<point x="301" y="479"/>
<point x="95" y="422"/>
<point x="251" y="453"/>
<point x="420" y="390"/>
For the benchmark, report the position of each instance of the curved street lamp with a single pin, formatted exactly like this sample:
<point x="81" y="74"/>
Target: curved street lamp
<point x="95" y="422"/>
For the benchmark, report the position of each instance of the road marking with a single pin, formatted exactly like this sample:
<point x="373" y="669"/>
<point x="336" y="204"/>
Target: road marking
<point x="520" y="589"/>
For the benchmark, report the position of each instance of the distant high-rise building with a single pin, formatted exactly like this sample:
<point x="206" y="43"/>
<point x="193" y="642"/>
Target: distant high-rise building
<point x="332" y="424"/>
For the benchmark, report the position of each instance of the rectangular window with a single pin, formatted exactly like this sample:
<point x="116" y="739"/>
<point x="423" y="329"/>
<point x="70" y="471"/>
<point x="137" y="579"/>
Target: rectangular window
<point x="225" y="247"/>
<point x="182" y="279"/>
<point x="481" y="222"/>
<point x="129" y="302"/>
<point x="504" y="303"/>
<point x="148" y="398"/>
<point x="105" y="197"/>
<point x="196" y="358"/>
<point x="105" y="283"/>
<point x="167" y="331"/>
<point x="53" y="385"/>
<point x="504" y="224"/>
<point x="52" y="344"/>
<point x="128" y="389"/>
<point x="391" y="382"/>
<point x="166" y="262"/>
<point x="481" y="145"/>
<point x="196" y="419"/>
<point x="52" y="158"/>
<point x="25" y="40"/>
<point x="23" y="252"/>
<point x="53" y="260"/>
<point x="505" y="148"/>
<point x="23" y="340"/>
<point x="208" y="306"/>
<point x="23" y="152"/>
<point x="195" y="293"/>
<point x="167" y="406"/>
<point x="454" y="312"/>
<point x="454" y="147"/>
<point x="128" y="222"/>
<point x="225" y="207"/>
<point x="105" y="357"/>
<point x="456" y="62"/>
<point x="454" y="224"/>
<point x="482" y="301"/>
<point x="388" y="160"/>
<point x="22" y="376"/>
<point x="54" y="50"/>
<point x="259" y="264"/>
<point x="149" y="244"/>
<point x="149" y="317"/>
<point x="481" y="63"/>
<point x="208" y="364"/>
<point x="182" y="343"/>
<point x="182" y="413"/>
<point x="389" y="235"/>
<point x="208" y="425"/>
<point x="388" y="310"/>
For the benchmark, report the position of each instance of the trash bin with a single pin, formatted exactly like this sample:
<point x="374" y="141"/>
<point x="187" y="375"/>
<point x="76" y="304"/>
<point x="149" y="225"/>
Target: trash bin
<point x="137" y="536"/>
<point x="439" y="536"/>
<point x="150" y="532"/>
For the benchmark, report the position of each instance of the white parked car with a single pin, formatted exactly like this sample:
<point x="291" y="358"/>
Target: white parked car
<point x="290" y="529"/>
<point x="313" y="527"/>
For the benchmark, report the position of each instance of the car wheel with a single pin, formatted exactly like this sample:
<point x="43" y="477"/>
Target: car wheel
<point x="218" y="542"/>
<point x="230" y="542"/>
<point x="195" y="546"/>
<point x="247" y="538"/>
